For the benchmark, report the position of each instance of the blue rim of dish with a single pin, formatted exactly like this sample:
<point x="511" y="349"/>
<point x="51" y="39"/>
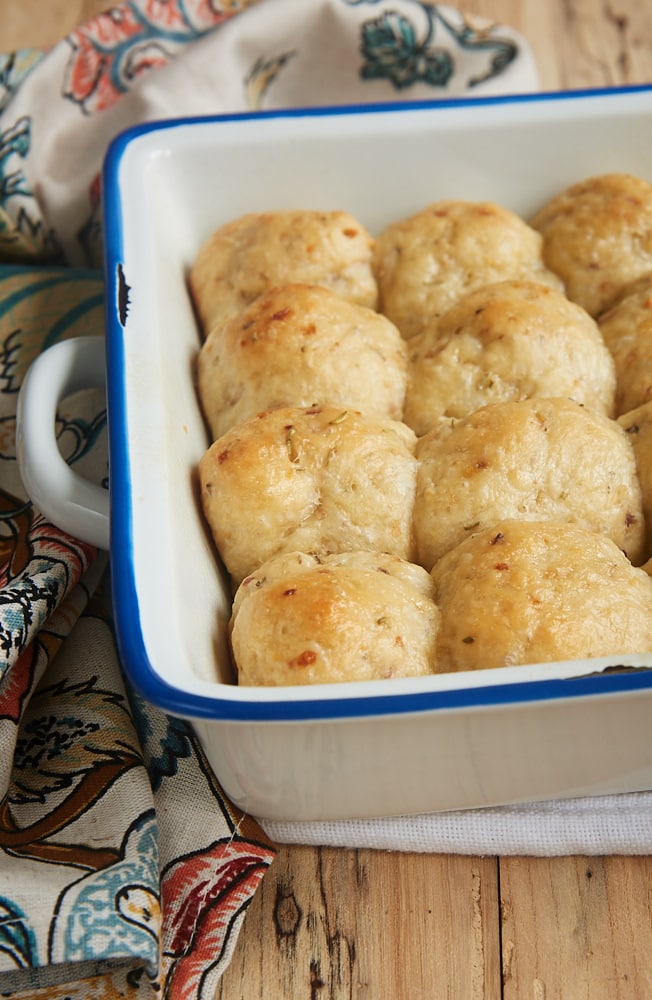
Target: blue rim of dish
<point x="129" y="636"/>
<point x="117" y="144"/>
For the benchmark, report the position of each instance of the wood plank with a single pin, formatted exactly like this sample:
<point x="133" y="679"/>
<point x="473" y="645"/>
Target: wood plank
<point x="576" y="927"/>
<point x="40" y="24"/>
<point x="582" y="43"/>
<point x="331" y="923"/>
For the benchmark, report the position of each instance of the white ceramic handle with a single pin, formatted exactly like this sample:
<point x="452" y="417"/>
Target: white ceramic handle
<point x="73" y="503"/>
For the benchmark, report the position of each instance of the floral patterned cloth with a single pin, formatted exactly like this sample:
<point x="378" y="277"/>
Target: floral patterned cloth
<point x="120" y="855"/>
<point x="123" y="869"/>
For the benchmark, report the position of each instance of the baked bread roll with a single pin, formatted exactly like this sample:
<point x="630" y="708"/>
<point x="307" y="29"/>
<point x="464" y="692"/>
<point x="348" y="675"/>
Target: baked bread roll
<point x="597" y="236"/>
<point x="319" y="479"/>
<point x="638" y="426"/>
<point x="358" y="616"/>
<point x="299" y="345"/>
<point x="245" y="257"/>
<point x="538" y="460"/>
<point x="532" y="592"/>
<point x="506" y="341"/>
<point x="427" y="262"/>
<point x="627" y="332"/>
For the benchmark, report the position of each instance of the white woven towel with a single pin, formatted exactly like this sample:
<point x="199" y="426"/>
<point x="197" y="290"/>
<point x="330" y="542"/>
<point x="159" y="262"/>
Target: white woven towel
<point x="610" y="824"/>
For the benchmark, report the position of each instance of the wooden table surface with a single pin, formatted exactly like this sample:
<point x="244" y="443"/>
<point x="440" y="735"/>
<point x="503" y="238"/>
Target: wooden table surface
<point x="330" y="924"/>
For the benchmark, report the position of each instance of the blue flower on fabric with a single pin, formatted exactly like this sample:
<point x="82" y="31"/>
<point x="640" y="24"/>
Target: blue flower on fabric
<point x="391" y="51"/>
<point x="394" y="49"/>
<point x="17" y="937"/>
<point x="114" y="913"/>
<point x="164" y="738"/>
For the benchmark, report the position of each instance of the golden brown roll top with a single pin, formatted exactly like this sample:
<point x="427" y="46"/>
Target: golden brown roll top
<point x="538" y="460"/>
<point x="506" y="341"/>
<point x="428" y="261"/>
<point x="627" y="331"/>
<point x="255" y="252"/>
<point x="299" y="345"/>
<point x="320" y="479"/>
<point x="597" y="236"/>
<point x="531" y="592"/>
<point x="301" y="619"/>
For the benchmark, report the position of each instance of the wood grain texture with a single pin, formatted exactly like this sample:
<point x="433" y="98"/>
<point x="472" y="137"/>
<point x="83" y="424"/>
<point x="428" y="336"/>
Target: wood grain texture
<point x="580" y="43"/>
<point x="366" y="925"/>
<point x="577" y="928"/>
<point x="41" y="23"/>
<point x="363" y="925"/>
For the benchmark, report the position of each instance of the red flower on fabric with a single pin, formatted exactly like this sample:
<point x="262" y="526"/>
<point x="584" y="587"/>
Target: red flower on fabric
<point x="202" y="895"/>
<point x="50" y="542"/>
<point x="117" y="47"/>
<point x="202" y="14"/>
<point x="33" y="542"/>
<point x="17" y="683"/>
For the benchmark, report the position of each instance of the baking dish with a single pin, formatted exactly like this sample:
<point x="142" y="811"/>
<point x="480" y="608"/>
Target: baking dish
<point x="331" y="751"/>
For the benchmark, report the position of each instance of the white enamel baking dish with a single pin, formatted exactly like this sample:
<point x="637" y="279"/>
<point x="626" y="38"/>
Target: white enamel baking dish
<point x="327" y="752"/>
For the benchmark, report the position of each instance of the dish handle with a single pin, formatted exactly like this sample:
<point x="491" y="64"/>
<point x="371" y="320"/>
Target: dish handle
<point x="69" y="501"/>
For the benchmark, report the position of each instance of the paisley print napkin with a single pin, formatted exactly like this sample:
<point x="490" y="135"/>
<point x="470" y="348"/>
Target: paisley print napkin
<point x="124" y="871"/>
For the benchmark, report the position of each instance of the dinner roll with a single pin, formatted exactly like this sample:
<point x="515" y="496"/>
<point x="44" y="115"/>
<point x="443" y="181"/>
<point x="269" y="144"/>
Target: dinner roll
<point x="533" y="592"/>
<point x="301" y="344"/>
<point x="506" y="341"/>
<point x="358" y="616"/>
<point x="245" y="257"/>
<point x="627" y="332"/>
<point x="319" y="479"/>
<point x="425" y="263"/>
<point x="537" y="459"/>
<point x="638" y="426"/>
<point x="597" y="236"/>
